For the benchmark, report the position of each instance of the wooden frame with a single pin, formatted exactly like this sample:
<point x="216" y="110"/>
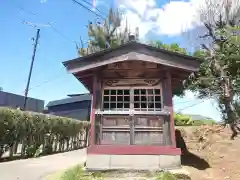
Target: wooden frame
<point x="132" y="88"/>
<point x="130" y="130"/>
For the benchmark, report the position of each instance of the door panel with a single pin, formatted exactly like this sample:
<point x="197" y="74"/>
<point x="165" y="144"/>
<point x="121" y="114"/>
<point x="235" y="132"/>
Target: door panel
<point x="138" y="130"/>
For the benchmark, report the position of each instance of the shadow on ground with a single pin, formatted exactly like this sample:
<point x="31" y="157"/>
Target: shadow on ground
<point x="188" y="158"/>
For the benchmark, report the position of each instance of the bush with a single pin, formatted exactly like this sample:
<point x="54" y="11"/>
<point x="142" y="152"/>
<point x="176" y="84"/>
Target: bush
<point x="182" y="120"/>
<point x="33" y="130"/>
<point x="203" y="122"/>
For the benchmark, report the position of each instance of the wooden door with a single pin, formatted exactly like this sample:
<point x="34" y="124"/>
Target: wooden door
<point x="132" y="130"/>
<point x="115" y="130"/>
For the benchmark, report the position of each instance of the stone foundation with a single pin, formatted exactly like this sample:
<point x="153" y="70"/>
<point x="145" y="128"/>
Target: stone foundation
<point x="132" y="162"/>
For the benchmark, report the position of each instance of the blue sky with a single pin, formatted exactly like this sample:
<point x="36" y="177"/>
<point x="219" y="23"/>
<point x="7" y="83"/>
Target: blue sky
<point x="50" y="80"/>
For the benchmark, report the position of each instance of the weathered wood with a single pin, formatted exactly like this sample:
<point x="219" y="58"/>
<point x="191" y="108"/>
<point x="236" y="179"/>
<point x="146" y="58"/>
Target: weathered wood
<point x="133" y="51"/>
<point x="132" y="129"/>
<point x="167" y="131"/>
<point x="132" y="64"/>
<point x="137" y="132"/>
<point x="115" y="112"/>
<point x="98" y="94"/>
<point x="98" y="129"/>
<point x="131" y="82"/>
<point x="115" y="138"/>
<point x="132" y="69"/>
<point x="148" y="138"/>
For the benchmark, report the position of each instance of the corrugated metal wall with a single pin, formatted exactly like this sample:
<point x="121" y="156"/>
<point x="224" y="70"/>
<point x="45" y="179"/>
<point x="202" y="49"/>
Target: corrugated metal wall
<point x="14" y="100"/>
<point x="76" y="110"/>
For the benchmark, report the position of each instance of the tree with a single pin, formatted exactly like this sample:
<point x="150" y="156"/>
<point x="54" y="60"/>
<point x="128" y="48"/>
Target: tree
<point x="172" y="47"/>
<point x="219" y="75"/>
<point x="175" y="48"/>
<point x="236" y="106"/>
<point x="107" y="35"/>
<point x="1" y="89"/>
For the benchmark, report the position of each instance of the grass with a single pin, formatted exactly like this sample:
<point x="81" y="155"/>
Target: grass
<point x="77" y="173"/>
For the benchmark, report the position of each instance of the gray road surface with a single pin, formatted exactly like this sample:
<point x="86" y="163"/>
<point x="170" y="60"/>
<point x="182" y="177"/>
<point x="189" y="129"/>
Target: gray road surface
<point x="38" y="168"/>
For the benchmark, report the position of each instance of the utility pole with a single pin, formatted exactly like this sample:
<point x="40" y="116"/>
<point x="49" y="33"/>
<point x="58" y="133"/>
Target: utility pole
<point x="31" y="68"/>
<point x="33" y="58"/>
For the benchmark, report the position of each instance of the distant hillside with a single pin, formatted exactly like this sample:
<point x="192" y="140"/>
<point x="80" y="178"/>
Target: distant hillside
<point x="195" y="117"/>
<point x="192" y="119"/>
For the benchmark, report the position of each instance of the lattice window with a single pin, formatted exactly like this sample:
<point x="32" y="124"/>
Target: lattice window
<point x="147" y="99"/>
<point x="142" y="99"/>
<point x="116" y="99"/>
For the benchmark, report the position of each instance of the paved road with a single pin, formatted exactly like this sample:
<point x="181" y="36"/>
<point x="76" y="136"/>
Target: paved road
<point x="38" y="168"/>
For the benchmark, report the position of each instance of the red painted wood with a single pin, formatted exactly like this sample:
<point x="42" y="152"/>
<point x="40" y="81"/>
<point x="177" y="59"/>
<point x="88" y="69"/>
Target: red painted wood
<point x="92" y="117"/>
<point x="172" y="124"/>
<point x="133" y="150"/>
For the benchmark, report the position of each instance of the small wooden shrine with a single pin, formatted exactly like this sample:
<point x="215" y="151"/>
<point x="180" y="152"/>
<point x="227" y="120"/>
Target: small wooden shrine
<point x="132" y="125"/>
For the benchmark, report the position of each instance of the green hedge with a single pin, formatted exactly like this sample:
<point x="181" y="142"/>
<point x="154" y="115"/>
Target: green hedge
<point x="203" y="122"/>
<point x="184" y="120"/>
<point x="39" y="133"/>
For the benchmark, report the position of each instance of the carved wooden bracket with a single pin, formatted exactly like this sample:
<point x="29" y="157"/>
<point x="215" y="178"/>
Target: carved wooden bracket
<point x="153" y="82"/>
<point x="111" y="82"/>
<point x="132" y="82"/>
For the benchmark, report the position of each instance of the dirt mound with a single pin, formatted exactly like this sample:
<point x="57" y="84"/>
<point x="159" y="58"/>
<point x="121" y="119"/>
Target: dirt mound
<point x="198" y="138"/>
<point x="208" y="152"/>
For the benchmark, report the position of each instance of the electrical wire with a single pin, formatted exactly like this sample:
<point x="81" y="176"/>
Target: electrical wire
<point x="53" y="27"/>
<point x="87" y="2"/>
<point x="56" y="31"/>
<point x="192" y="105"/>
<point x="45" y="82"/>
<point x="85" y="7"/>
<point x="61" y="34"/>
<point x="23" y="9"/>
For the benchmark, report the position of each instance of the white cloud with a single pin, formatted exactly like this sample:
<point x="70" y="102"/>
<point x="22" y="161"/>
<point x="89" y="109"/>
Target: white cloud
<point x="171" y="19"/>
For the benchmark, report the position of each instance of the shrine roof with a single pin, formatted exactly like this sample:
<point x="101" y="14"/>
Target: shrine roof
<point x="133" y="51"/>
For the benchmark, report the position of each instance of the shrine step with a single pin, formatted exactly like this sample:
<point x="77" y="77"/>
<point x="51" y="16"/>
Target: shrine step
<point x="132" y="162"/>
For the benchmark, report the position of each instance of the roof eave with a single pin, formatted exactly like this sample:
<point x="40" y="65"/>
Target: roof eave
<point x="133" y="56"/>
<point x="133" y="43"/>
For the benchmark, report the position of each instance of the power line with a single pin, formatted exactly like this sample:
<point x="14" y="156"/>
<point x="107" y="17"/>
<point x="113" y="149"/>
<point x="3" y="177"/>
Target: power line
<point x="61" y="34"/>
<point x="31" y="68"/>
<point x="47" y="81"/>
<point x="183" y="102"/>
<point x="192" y="105"/>
<point x="87" y="2"/>
<point x="56" y="31"/>
<point x="23" y="9"/>
<point x="50" y="24"/>
<point x="33" y="58"/>
<point x="85" y="7"/>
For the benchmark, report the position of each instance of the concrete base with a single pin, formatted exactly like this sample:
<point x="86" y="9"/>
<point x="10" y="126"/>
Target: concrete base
<point x="132" y="162"/>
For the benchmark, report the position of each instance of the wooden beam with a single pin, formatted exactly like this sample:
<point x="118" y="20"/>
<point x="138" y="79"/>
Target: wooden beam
<point x="136" y="56"/>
